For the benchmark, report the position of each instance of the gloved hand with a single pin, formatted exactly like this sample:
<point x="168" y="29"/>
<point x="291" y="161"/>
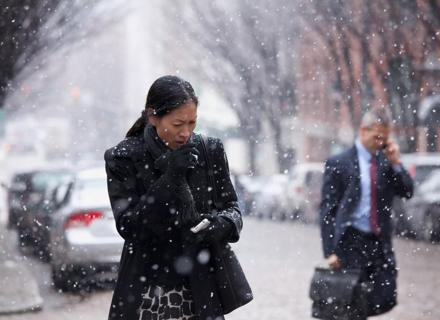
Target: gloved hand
<point x="180" y="160"/>
<point x="217" y="231"/>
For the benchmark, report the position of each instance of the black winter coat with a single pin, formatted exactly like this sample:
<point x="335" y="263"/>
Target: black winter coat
<point x="146" y="207"/>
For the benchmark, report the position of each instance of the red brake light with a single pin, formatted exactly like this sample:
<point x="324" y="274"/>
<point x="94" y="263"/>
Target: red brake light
<point x="82" y="219"/>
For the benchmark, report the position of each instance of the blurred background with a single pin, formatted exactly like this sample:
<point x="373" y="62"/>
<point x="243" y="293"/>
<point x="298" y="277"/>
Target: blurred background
<point x="283" y="83"/>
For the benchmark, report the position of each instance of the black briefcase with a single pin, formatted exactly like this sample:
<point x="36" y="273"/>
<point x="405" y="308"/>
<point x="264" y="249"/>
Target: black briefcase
<point x="338" y="294"/>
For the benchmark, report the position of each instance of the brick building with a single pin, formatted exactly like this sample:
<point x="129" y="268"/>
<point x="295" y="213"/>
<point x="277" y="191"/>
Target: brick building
<point x="342" y="74"/>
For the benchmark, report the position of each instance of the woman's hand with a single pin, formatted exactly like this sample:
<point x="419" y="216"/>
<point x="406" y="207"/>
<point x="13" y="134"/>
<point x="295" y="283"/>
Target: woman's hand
<point x="218" y="230"/>
<point x="180" y="160"/>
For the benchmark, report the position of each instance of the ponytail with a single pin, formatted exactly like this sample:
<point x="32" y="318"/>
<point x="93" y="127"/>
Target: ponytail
<point x="139" y="126"/>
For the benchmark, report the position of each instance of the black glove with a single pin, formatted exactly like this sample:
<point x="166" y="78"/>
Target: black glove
<point x="187" y="211"/>
<point x="180" y="160"/>
<point x="218" y="230"/>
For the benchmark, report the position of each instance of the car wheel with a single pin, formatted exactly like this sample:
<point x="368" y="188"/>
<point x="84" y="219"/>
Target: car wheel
<point x="60" y="278"/>
<point x="273" y="214"/>
<point x="296" y="214"/>
<point x="65" y="278"/>
<point x="283" y="215"/>
<point x="436" y="230"/>
<point x="23" y="238"/>
<point x="42" y="248"/>
<point x="401" y="227"/>
<point x="431" y="227"/>
<point x="300" y="216"/>
<point x="43" y="253"/>
<point x="12" y="220"/>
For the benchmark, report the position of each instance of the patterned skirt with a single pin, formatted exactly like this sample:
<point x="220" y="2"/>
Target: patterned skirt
<point x="159" y="303"/>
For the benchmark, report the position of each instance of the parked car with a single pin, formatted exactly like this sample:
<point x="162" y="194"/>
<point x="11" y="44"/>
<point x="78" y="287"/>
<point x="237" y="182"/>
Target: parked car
<point x="24" y="193"/>
<point x="19" y="196"/>
<point x="270" y="199"/>
<point x="84" y="243"/>
<point x="423" y="210"/>
<point x="25" y="196"/>
<point x="420" y="166"/>
<point x="247" y="188"/>
<point x="40" y="218"/>
<point x="304" y="191"/>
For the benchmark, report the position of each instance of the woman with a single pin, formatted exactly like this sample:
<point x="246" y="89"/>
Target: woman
<point x="158" y="188"/>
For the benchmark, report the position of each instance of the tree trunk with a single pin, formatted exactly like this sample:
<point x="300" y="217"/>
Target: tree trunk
<point x="285" y="156"/>
<point x="250" y="131"/>
<point x="252" y="151"/>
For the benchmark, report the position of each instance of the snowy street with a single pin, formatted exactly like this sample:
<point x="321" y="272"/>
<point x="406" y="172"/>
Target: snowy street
<point x="139" y="118"/>
<point x="278" y="259"/>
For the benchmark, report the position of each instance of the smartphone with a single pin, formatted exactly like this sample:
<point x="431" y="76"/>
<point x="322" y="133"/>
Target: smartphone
<point x="202" y="225"/>
<point x="196" y="159"/>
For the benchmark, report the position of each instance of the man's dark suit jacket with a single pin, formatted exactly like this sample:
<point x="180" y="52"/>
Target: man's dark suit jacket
<point x="341" y="193"/>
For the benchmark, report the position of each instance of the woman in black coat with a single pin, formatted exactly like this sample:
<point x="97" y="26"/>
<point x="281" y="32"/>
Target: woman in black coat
<point x="158" y="188"/>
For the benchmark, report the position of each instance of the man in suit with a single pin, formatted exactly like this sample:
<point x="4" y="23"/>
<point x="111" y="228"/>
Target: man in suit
<point x="355" y="214"/>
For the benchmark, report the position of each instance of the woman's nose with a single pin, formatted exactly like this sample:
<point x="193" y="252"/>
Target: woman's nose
<point x="186" y="132"/>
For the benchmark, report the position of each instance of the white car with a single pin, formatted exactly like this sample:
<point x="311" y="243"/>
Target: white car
<point x="84" y="242"/>
<point x="412" y="215"/>
<point x="247" y="187"/>
<point x="304" y="191"/>
<point x="271" y="200"/>
<point x="420" y="165"/>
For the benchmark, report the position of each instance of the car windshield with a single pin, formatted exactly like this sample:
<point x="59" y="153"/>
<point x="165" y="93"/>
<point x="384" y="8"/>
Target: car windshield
<point x="90" y="193"/>
<point x="41" y="180"/>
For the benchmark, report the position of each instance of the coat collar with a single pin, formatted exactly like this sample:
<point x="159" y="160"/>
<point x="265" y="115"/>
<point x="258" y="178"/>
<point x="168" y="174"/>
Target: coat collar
<point x="362" y="152"/>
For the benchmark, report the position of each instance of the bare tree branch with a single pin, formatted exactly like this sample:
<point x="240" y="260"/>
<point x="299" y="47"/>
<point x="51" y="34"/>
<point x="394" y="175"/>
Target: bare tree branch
<point x="31" y="31"/>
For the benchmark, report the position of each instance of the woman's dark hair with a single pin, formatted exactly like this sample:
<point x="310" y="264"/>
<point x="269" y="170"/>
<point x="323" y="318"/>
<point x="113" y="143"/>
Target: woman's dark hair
<point x="166" y="94"/>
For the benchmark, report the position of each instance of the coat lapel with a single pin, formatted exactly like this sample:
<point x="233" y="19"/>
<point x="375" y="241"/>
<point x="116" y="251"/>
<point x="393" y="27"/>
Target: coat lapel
<point x="382" y="169"/>
<point x="354" y="174"/>
<point x="352" y="181"/>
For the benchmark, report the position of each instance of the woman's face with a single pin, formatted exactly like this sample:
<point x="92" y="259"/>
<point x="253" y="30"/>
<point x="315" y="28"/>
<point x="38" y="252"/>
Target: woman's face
<point x="175" y="128"/>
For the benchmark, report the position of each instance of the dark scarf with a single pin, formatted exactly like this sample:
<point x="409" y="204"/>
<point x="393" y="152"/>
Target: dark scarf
<point x="156" y="147"/>
<point x="161" y="153"/>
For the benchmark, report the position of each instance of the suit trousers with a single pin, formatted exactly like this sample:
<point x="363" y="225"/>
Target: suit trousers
<point x="360" y="250"/>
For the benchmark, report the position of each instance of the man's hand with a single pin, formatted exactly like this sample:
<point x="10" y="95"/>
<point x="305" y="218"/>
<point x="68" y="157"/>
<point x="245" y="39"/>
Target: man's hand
<point x="333" y="261"/>
<point x="392" y="152"/>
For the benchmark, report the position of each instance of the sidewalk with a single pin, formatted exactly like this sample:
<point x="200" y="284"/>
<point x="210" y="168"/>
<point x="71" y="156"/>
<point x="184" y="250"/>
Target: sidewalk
<point x="19" y="290"/>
